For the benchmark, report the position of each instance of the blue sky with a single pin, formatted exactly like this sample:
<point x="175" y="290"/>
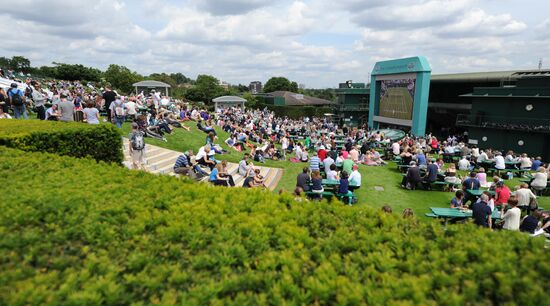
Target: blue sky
<point x="318" y="43"/>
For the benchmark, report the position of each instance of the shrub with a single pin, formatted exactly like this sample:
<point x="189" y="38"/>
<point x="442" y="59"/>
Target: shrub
<point x="101" y="142"/>
<point x="77" y="232"/>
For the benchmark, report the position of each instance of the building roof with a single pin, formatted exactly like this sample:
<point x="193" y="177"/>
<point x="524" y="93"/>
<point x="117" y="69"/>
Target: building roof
<point x="228" y="99"/>
<point x="150" y="83"/>
<point x="294" y="99"/>
<point x="491" y="76"/>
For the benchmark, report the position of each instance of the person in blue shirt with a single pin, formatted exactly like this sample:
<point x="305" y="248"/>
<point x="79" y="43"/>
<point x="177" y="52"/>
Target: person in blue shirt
<point x="456" y="202"/>
<point x="421" y="159"/>
<point x="470" y="183"/>
<point x="216" y="178"/>
<point x="536" y="164"/>
<point x="17" y="100"/>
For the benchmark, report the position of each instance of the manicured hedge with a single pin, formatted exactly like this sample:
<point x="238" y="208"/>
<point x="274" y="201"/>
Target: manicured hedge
<point x="101" y="142"/>
<point x="74" y="232"/>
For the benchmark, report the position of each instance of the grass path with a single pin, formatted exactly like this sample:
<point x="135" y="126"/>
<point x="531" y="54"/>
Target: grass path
<point x="387" y="177"/>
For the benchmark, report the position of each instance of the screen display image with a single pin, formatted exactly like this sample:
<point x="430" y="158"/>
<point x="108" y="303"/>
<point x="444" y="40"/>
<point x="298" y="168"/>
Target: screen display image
<point x="397" y="98"/>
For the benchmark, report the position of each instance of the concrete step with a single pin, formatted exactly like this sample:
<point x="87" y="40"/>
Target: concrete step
<point x="160" y="156"/>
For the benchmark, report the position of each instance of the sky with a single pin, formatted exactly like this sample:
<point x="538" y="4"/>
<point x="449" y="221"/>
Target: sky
<point x="318" y="43"/>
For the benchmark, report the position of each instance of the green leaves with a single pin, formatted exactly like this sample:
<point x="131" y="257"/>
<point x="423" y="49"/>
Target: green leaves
<point x="100" y="142"/>
<point x="91" y="233"/>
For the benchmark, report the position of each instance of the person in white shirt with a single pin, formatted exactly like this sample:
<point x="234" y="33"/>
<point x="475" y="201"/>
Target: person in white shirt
<point x="525" y="162"/>
<point x="395" y="148"/>
<point x="510" y="157"/>
<point x="463" y="164"/>
<point x="331" y="173"/>
<point x="499" y="161"/>
<point x="524" y="195"/>
<point x="512" y="217"/>
<point x="299" y="151"/>
<point x="327" y="162"/>
<point x="482" y="157"/>
<point x="355" y="177"/>
<point x="449" y="149"/>
<point x="131" y="108"/>
<point x="475" y="152"/>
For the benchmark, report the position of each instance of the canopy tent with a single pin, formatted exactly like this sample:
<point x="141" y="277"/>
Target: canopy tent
<point x="149" y="85"/>
<point x="228" y="101"/>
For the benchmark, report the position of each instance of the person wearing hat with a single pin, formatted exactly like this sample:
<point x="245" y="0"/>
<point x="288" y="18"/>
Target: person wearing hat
<point x="17" y="101"/>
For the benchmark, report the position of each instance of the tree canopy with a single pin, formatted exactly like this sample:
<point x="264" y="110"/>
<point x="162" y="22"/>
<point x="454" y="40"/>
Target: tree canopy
<point x="280" y="84"/>
<point x="121" y="77"/>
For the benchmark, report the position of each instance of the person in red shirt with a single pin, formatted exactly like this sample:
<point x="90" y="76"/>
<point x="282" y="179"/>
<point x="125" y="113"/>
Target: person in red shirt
<point x="434" y="144"/>
<point x="322" y="153"/>
<point x="502" y="193"/>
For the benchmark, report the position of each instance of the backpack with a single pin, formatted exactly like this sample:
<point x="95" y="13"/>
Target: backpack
<point x="119" y="110"/>
<point x="137" y="141"/>
<point x="16" y="99"/>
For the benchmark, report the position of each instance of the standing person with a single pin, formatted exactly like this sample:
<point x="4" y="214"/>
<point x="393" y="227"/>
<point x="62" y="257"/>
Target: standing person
<point x="108" y="97"/>
<point x="482" y="213"/>
<point x="66" y="109"/>
<point x="4" y="101"/>
<point x="136" y="145"/>
<point x="118" y="112"/>
<point x="91" y="114"/>
<point x="512" y="217"/>
<point x="39" y="101"/>
<point x="17" y="101"/>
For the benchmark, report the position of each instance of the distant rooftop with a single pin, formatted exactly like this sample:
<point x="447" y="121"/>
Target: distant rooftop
<point x="150" y="83"/>
<point x="490" y="76"/>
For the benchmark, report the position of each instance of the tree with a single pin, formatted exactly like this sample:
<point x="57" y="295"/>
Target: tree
<point x="76" y="72"/>
<point x="162" y="77"/>
<point x="20" y="63"/>
<point x="122" y="78"/>
<point x="251" y="100"/>
<point x="206" y="88"/>
<point x="180" y="78"/>
<point x="280" y="84"/>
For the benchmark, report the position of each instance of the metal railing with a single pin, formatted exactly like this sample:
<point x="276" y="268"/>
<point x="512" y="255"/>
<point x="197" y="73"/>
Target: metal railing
<point x="504" y="123"/>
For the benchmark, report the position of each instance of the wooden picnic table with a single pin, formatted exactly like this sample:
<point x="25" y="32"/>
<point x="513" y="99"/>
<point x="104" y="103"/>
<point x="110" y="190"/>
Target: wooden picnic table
<point x="447" y="213"/>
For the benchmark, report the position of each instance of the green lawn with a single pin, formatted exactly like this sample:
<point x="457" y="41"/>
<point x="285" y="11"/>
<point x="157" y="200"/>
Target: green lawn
<point x="386" y="177"/>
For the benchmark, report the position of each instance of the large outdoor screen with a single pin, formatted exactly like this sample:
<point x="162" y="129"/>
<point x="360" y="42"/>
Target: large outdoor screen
<point x="397" y="98"/>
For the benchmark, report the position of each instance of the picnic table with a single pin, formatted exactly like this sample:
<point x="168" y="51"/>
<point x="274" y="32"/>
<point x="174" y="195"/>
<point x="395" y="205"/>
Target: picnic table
<point x="478" y="192"/>
<point x="456" y="213"/>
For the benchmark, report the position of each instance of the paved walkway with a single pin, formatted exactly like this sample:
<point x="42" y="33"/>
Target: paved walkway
<point x="161" y="161"/>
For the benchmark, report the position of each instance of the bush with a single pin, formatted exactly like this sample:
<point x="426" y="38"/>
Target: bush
<point x="77" y="232"/>
<point x="101" y="142"/>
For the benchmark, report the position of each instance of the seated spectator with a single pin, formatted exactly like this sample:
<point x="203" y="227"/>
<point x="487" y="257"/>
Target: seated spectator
<point x="4" y="115"/>
<point x="431" y="173"/>
<point x="244" y="166"/>
<point x="502" y="194"/>
<point x="512" y="216"/>
<point x="327" y="162"/>
<point x="355" y="178"/>
<point x="386" y="209"/>
<point x="184" y="166"/>
<point x="540" y="179"/>
<point x="421" y="159"/>
<point x="259" y="180"/>
<point x="225" y="174"/>
<point x="344" y="184"/>
<point x="524" y="196"/>
<point x="451" y="175"/>
<point x="322" y="153"/>
<point x="316" y="182"/>
<point x="298" y="194"/>
<point x="537" y="162"/>
<point x="482" y="178"/>
<point x="482" y="213"/>
<point x="470" y="183"/>
<point x="530" y="223"/>
<point x="91" y="114"/>
<point x="456" y="202"/>
<point x="303" y="179"/>
<point x="499" y="161"/>
<point x="216" y="178"/>
<point x="332" y="174"/>
<point x="525" y="162"/>
<point x="203" y="158"/>
<point x="464" y="164"/>
<point x="314" y="163"/>
<point x="413" y="178"/>
<point x="52" y="114"/>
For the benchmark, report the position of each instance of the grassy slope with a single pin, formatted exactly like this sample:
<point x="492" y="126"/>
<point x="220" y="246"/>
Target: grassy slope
<point x="388" y="177"/>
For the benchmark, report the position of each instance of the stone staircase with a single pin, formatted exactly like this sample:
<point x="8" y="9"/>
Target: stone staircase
<point x="161" y="161"/>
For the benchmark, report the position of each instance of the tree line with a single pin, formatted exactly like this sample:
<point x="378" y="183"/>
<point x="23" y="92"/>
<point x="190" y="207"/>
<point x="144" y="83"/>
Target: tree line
<point x="204" y="88"/>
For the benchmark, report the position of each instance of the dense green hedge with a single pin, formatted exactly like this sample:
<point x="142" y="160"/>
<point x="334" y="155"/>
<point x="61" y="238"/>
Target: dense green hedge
<point x="74" y="232"/>
<point x="101" y="142"/>
<point x="296" y="112"/>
